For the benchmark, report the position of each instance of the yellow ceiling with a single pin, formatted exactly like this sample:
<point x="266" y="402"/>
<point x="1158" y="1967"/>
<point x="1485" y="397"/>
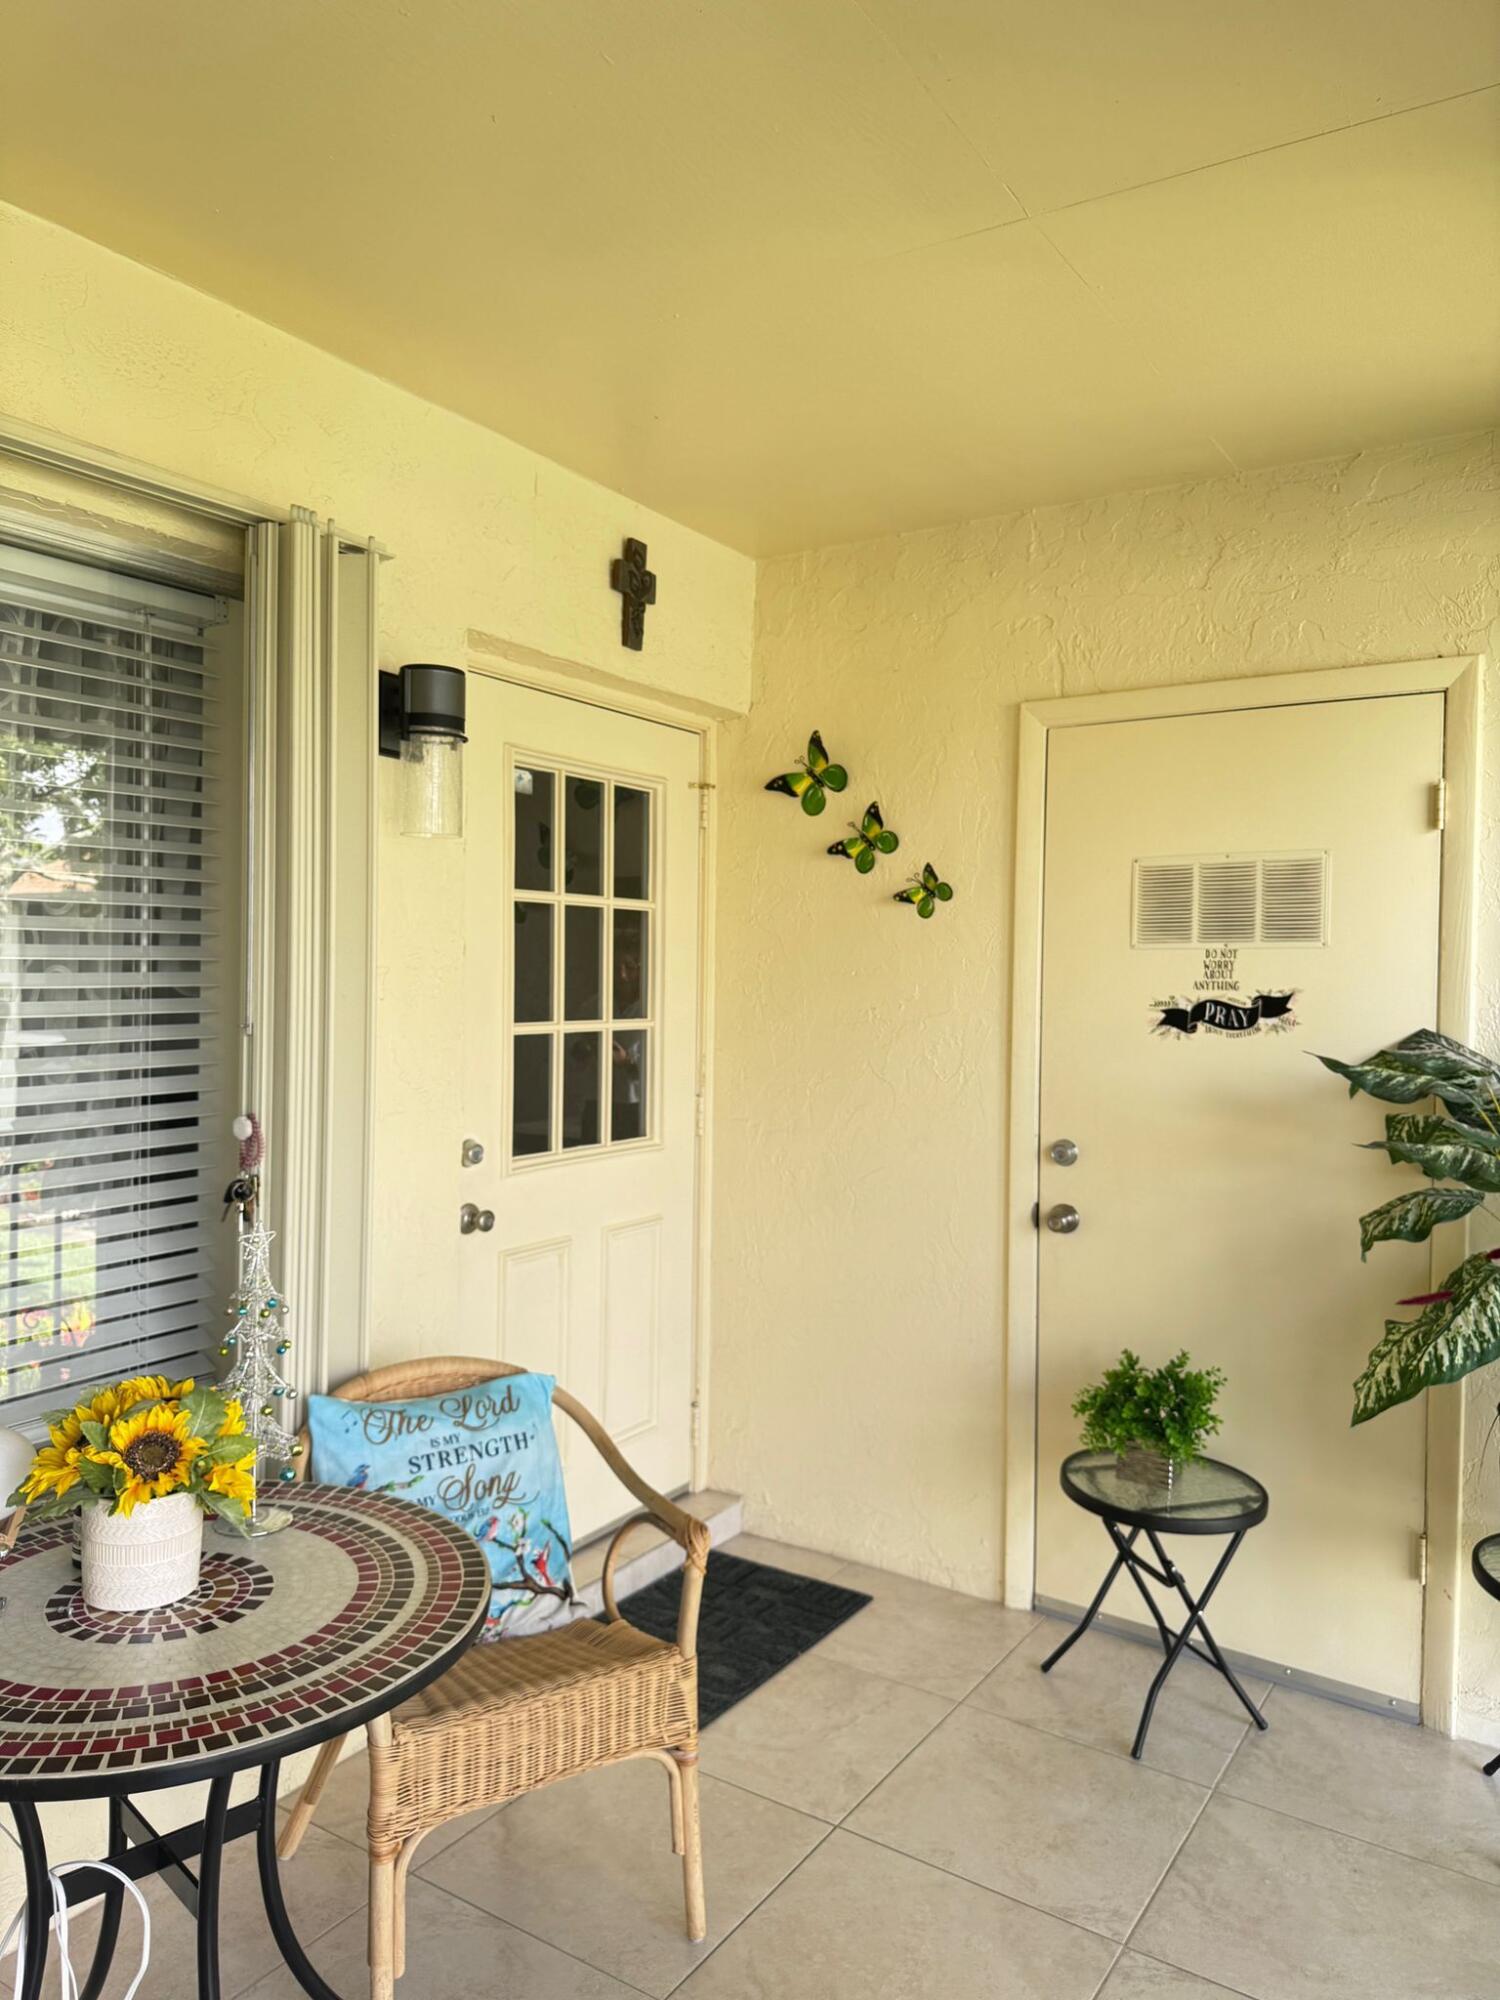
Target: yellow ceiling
<point x="796" y="271"/>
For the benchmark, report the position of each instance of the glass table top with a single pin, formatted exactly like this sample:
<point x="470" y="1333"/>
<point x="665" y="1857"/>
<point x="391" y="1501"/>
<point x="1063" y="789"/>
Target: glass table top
<point x="1204" y="1496"/>
<point x="1487" y="1564"/>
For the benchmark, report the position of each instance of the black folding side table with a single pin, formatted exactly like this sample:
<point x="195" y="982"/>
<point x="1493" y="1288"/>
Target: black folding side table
<point x="1205" y="1497"/>
<point x="1487" y="1576"/>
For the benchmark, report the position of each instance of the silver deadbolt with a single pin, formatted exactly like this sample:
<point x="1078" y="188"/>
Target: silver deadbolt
<point x="1062" y="1152"/>
<point x="471" y="1217"/>
<point x="472" y="1153"/>
<point x="1063" y="1219"/>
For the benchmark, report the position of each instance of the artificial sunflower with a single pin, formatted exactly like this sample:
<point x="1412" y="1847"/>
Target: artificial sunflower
<point x="155" y="1450"/>
<point x="110" y="1404"/>
<point x="54" y="1469"/>
<point x="235" y="1481"/>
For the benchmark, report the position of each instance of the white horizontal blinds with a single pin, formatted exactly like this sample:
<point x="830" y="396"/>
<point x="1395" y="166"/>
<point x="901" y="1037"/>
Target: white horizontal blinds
<point x="111" y="948"/>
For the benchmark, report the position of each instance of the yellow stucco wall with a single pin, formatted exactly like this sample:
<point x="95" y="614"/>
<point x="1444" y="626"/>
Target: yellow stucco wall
<point x="487" y="536"/>
<point x="858" y="1391"/>
<point x="857" y="1395"/>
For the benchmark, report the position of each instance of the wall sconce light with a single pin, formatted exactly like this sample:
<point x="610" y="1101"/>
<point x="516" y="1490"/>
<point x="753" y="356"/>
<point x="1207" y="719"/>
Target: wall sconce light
<point x="422" y="723"/>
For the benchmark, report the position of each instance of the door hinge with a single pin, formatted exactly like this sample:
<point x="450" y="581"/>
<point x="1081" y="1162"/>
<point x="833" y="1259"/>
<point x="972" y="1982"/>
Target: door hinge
<point x="1419" y="1559"/>
<point x="695" y="1427"/>
<point x="1440" y="805"/>
<point x="702" y="787"/>
<point x="700" y="1114"/>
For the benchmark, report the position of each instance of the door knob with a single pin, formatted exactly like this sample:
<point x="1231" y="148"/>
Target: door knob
<point x="472" y="1153"/>
<point x="471" y="1217"/>
<point x="1063" y="1219"/>
<point x="1062" y="1152"/>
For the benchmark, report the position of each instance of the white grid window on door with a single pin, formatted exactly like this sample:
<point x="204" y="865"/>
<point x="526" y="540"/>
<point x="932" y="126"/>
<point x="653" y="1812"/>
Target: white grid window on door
<point x="584" y="944"/>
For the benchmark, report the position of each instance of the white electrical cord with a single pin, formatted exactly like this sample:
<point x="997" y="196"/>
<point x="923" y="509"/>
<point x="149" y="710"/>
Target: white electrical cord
<point x="69" y="1978"/>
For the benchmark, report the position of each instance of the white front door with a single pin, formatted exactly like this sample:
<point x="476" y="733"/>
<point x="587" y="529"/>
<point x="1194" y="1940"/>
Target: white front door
<point x="1199" y="870"/>
<point x="582" y="1069"/>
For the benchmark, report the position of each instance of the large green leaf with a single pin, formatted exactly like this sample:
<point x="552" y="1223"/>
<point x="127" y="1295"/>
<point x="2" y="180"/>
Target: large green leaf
<point x="1444" y="1151"/>
<point x="1446" y="1341"/>
<point x="1427" y="1064"/>
<point x="98" y="1478"/>
<point x="205" y="1410"/>
<point x="1411" y="1218"/>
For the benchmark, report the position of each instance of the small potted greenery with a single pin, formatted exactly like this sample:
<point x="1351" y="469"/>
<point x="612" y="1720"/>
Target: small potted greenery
<point x="1153" y="1419"/>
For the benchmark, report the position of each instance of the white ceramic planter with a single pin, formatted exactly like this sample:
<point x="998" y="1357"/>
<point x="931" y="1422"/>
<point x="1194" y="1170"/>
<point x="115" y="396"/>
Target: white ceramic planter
<point x="139" y="1561"/>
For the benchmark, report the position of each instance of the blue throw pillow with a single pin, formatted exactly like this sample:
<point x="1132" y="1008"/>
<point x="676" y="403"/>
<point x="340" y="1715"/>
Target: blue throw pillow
<point x="487" y="1458"/>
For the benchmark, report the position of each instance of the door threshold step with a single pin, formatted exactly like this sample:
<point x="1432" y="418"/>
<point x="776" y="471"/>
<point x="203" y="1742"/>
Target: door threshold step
<point x="649" y="1553"/>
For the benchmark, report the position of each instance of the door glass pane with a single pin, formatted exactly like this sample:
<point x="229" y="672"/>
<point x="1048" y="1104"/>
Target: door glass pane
<point x="531" y="1096"/>
<point x="583" y="964"/>
<point x="535" y="825"/>
<point x="629" y="968"/>
<point x="533" y="961"/>
<point x="580" y="1112"/>
<point x="585" y="872"/>
<point x="628" y="1084"/>
<point x="632" y="842"/>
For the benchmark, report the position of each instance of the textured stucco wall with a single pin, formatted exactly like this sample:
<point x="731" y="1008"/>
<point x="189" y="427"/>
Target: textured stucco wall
<point x="487" y="536"/>
<point x="858" y="1395"/>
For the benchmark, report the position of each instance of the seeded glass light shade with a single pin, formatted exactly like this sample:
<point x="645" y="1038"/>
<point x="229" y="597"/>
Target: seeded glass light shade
<point x="432" y="786"/>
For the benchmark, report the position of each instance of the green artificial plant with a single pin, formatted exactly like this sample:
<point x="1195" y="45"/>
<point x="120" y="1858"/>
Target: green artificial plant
<point x="1458" y="1149"/>
<point x="1168" y="1409"/>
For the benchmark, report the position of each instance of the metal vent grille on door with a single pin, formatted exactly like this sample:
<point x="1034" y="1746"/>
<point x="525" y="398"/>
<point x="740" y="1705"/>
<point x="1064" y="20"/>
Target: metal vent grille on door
<point x="1237" y="899"/>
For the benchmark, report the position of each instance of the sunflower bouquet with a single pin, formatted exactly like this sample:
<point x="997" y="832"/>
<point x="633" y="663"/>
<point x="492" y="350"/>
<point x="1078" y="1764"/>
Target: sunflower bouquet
<point x="141" y="1440"/>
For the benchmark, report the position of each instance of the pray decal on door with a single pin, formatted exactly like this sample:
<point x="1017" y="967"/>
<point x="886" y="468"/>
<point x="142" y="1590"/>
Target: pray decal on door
<point x="1223" y="1010"/>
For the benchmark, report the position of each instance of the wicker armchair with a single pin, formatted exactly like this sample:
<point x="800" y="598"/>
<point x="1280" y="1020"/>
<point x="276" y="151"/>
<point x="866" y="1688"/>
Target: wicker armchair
<point x="511" y="1717"/>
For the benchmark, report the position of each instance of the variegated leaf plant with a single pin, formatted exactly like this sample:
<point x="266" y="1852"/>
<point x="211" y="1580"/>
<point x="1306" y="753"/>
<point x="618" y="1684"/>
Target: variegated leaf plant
<point x="1458" y="1328"/>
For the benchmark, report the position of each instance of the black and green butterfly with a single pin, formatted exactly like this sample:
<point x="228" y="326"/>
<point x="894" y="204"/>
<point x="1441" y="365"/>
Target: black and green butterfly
<point x="814" y="781"/>
<point x="871" y="837"/>
<point x="926" y="891"/>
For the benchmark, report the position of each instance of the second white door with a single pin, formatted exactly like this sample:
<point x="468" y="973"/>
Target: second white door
<point x="582" y="1067"/>
<point x="1225" y="895"/>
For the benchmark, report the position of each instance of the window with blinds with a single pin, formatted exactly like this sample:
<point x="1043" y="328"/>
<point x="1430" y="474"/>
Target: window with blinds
<point x="112" y="849"/>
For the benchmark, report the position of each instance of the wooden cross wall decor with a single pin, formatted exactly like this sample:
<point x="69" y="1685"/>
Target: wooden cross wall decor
<point x="637" y="586"/>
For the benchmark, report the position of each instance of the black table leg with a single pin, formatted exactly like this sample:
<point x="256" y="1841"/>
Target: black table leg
<point x="1492" y="1767"/>
<point x="298" y="1963"/>
<point x="210" y="1868"/>
<point x="38" y="1898"/>
<point x="114" y="1902"/>
<point x="1122" y="1560"/>
<point x="1135" y="1564"/>
<point x="1208" y="1638"/>
<point x="1195" y="1618"/>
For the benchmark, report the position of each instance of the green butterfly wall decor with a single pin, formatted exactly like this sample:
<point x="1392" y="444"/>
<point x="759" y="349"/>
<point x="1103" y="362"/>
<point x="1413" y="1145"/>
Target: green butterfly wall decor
<point x="925" y="892"/>
<point x="871" y="837"/>
<point x="814" y="781"/>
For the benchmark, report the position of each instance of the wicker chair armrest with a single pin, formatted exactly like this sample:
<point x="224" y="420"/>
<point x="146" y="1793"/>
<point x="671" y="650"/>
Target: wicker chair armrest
<point x="692" y="1537"/>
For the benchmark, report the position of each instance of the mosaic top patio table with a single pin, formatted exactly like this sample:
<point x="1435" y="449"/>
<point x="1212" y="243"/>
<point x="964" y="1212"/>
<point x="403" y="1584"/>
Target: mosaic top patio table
<point x="289" y="1640"/>
<point x="1204" y="1497"/>
<point x="1487" y="1576"/>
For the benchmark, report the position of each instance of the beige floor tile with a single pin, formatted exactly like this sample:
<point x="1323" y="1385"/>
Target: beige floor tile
<point x="342" y="1808"/>
<point x="1137" y="1978"/>
<point x="1095" y="1692"/>
<point x="858" y="1922"/>
<point x="452" y="1948"/>
<point x="1055" y="1824"/>
<point x="587" y="1865"/>
<point x="1401" y="1787"/>
<point x="1281" y="1910"/>
<point x="324" y="1884"/>
<point x="820" y="1735"/>
<point x="785" y="1555"/>
<point x="934" y="1639"/>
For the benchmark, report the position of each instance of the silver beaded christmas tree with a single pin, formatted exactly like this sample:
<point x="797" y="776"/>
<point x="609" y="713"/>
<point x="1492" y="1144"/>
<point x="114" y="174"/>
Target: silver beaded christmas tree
<point x="256" y="1339"/>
